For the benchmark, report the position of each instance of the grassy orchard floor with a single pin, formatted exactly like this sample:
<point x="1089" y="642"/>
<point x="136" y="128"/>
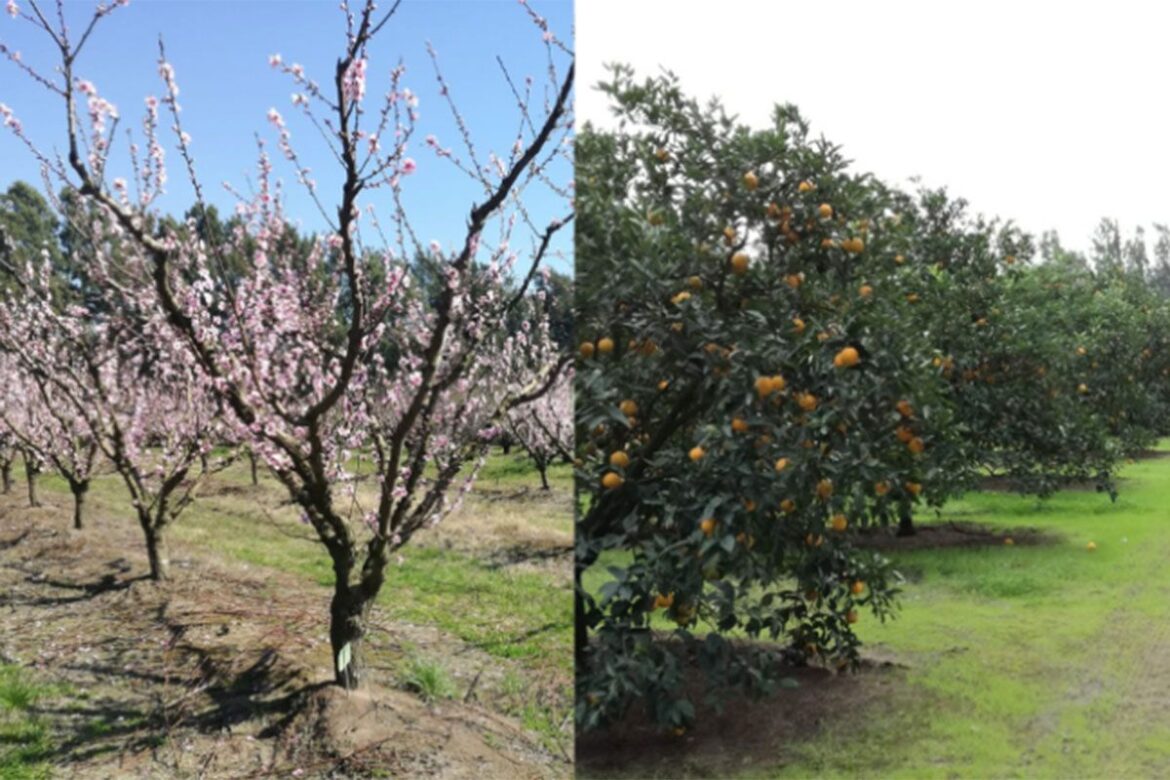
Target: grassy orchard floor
<point x="1041" y="660"/>
<point x="480" y="603"/>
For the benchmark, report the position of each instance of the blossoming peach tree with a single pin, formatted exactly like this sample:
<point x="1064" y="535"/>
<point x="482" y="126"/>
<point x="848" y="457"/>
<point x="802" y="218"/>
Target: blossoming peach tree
<point x="322" y="357"/>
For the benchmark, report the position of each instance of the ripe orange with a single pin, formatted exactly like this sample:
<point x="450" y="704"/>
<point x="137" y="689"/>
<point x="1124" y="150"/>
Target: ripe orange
<point x="629" y="407"/>
<point x="763" y="386"/>
<point x="587" y="349"/>
<point x="913" y="488"/>
<point x="619" y="459"/>
<point x="1009" y="541"/>
<point x="798" y="325"/>
<point x="824" y="489"/>
<point x="912" y="298"/>
<point x="664" y="601"/>
<point x="825" y="210"/>
<point x="857" y="588"/>
<point x="916" y="446"/>
<point x="881" y="488"/>
<point x="1082" y="388"/>
<point x="739" y="263"/>
<point x="853" y="245"/>
<point x="707" y="526"/>
<point x="655" y="218"/>
<point x="806" y="186"/>
<point x="662" y="154"/>
<point x="788" y="506"/>
<point x="776" y="383"/>
<point x="696" y="454"/>
<point x="814" y="541"/>
<point x="782" y="464"/>
<point x="680" y="297"/>
<point x="865" y="291"/>
<point x="605" y="345"/>
<point x="611" y="481"/>
<point x="751" y="181"/>
<point x="807" y="401"/>
<point x="695" y="283"/>
<point x="828" y="243"/>
<point x="846" y="358"/>
<point x="793" y="280"/>
<point x="839" y="523"/>
<point x="899" y="259"/>
<point x="663" y="384"/>
<point x="904" y="408"/>
<point x="852" y="616"/>
<point x="739" y="425"/>
<point x="729" y="235"/>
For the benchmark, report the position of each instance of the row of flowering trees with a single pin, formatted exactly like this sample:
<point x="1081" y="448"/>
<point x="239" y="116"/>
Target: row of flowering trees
<point x="778" y="354"/>
<point x="167" y="346"/>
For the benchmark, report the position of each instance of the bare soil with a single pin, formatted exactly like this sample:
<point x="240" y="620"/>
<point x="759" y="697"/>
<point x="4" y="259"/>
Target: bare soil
<point x="220" y="672"/>
<point x="934" y="536"/>
<point x="745" y="734"/>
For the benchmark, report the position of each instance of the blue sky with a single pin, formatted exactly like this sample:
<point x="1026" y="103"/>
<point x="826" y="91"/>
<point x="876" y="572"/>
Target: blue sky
<point x="220" y="50"/>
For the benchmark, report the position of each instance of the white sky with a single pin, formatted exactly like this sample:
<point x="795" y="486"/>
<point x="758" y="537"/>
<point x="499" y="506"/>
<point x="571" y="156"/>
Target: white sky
<point x="1050" y="114"/>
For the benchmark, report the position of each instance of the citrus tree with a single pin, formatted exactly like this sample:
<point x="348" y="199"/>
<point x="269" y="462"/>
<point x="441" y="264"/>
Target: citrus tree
<point x="747" y="398"/>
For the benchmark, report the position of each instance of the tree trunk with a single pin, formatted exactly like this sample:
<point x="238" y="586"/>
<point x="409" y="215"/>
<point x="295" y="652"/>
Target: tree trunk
<point x="6" y="475"/>
<point x="905" y="524"/>
<point x="156" y="551"/>
<point x="31" y="469"/>
<point x="542" y="467"/>
<point x="255" y="476"/>
<point x="347" y="613"/>
<point x="580" y="629"/>
<point x="79" y="489"/>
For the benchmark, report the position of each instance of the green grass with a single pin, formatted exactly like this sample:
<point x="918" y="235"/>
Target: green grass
<point x="25" y="744"/>
<point x="428" y="678"/>
<point x="1026" y="661"/>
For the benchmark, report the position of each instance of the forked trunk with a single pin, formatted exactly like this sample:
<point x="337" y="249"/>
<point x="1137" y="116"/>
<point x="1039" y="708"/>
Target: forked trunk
<point x="156" y="550"/>
<point x="6" y="476"/>
<point x="79" y="489"/>
<point x="31" y="470"/>
<point x="347" y="617"/>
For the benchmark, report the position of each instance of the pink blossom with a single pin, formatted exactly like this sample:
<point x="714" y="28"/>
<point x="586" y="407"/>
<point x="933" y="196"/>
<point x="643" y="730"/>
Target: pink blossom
<point x="408" y="166"/>
<point x="12" y="9"/>
<point x="275" y="60"/>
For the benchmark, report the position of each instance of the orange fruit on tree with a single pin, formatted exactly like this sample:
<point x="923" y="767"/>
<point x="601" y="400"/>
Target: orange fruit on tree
<point x="739" y="263"/>
<point x="793" y="280"/>
<point x="847" y="357"/>
<point x="782" y="464"/>
<point x="664" y="601"/>
<point x="587" y="349"/>
<point x="913" y="488"/>
<point x="776" y="383"/>
<point x="825" y="489"/>
<point x="612" y="480"/>
<point x="853" y="245"/>
<point x="825" y="210"/>
<point x="681" y="297"/>
<point x="899" y="259"/>
<point x="916" y="445"/>
<point x="904" y="408"/>
<point x="912" y="298"/>
<point x="605" y="345"/>
<point x="857" y="588"/>
<point x="751" y="181"/>
<point x="695" y="283"/>
<point x="663" y="384"/>
<point x="708" y="525"/>
<point x="739" y="425"/>
<point x="661" y="154"/>
<point x="763" y="386"/>
<point x="806" y="401"/>
<point x="798" y="325"/>
<point x="806" y="186"/>
<point x="865" y="291"/>
<point x="852" y="616"/>
<point x="839" y="523"/>
<point x="619" y="459"/>
<point x="629" y="407"/>
<point x="729" y="235"/>
<point x="788" y="506"/>
<point x="881" y="488"/>
<point x="904" y="434"/>
<point x="696" y="454"/>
